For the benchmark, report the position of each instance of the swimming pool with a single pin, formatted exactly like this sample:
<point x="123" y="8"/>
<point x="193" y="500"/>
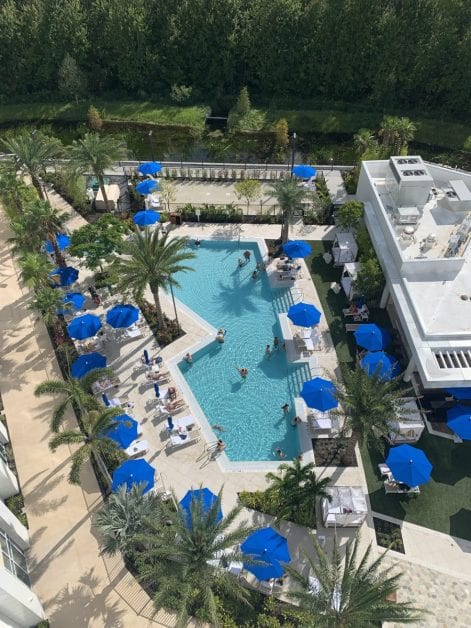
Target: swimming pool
<point x="249" y="410"/>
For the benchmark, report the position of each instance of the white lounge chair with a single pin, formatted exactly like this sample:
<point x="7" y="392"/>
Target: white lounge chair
<point x="176" y="441"/>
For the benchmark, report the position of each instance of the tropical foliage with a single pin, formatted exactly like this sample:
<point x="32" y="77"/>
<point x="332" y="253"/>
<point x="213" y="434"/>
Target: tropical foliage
<point x="75" y="392"/>
<point x="151" y="260"/>
<point x="96" y="242"/>
<point x="91" y="441"/>
<point x="147" y="49"/>
<point x="353" y="591"/>
<point x="371" y="405"/>
<point x="179" y="561"/>
<point x="289" y="196"/>
<point x="96" y="153"/>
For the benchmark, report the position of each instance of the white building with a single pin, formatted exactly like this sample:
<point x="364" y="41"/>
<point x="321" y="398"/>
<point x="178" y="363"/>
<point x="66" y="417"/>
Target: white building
<point x="19" y="606"/>
<point x="419" y="219"/>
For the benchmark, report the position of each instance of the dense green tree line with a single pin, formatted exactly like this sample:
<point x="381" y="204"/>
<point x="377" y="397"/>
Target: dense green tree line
<point x="409" y="54"/>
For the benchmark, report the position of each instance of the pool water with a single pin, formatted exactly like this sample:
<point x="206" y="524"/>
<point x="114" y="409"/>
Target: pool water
<point x="249" y="410"/>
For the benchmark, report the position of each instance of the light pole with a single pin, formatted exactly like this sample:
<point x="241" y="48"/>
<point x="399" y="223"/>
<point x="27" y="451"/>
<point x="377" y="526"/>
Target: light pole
<point x="331" y="160"/>
<point x="149" y="135"/>
<point x="174" y="308"/>
<point x="293" y="151"/>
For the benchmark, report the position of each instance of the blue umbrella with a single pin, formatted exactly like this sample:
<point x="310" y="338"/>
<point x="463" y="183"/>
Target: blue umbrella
<point x="269" y="546"/>
<point x="147" y="186"/>
<point x="157" y="391"/>
<point x="122" y="315"/>
<point x="146" y="356"/>
<point x="372" y="337"/>
<point x="460" y="393"/>
<point x="459" y="420"/>
<point x="72" y="301"/>
<point x="106" y="401"/>
<point x="84" y="326"/>
<point x="409" y="465"/>
<point x="125" y="431"/>
<point x="304" y="314"/>
<point x="133" y="472"/>
<point x="63" y="241"/>
<point x="320" y="394"/>
<point x="150" y="167"/>
<point x="382" y="364"/>
<point x="304" y="172"/>
<point x="297" y="248"/>
<point x="205" y="497"/>
<point x="86" y="363"/>
<point x="146" y="217"/>
<point x="67" y="276"/>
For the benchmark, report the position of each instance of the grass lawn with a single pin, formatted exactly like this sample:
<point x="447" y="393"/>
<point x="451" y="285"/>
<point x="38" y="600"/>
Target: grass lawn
<point x="444" y="503"/>
<point x="145" y="112"/>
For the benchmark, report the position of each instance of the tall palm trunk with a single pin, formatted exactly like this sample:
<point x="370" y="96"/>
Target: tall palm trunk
<point x="285" y="228"/>
<point x="158" y="309"/>
<point x="101" y="183"/>
<point x="38" y="187"/>
<point x="57" y="253"/>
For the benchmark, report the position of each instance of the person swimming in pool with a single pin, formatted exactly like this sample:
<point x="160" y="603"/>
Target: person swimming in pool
<point x="243" y="372"/>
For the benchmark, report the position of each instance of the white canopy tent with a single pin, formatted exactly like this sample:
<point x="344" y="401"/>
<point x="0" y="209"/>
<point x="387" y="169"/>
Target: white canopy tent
<point x="345" y="248"/>
<point x="348" y="507"/>
<point x="349" y="275"/>
<point x="112" y="193"/>
<point x="409" y="427"/>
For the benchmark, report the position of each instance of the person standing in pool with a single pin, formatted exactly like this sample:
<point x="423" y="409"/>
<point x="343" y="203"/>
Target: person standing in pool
<point x="243" y="372"/>
<point x="247" y="255"/>
<point x="276" y="343"/>
<point x="268" y="351"/>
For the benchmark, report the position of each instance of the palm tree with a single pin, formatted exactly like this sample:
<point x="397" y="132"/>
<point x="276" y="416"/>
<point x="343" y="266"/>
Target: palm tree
<point x="388" y="131"/>
<point x="363" y="141"/>
<point x="123" y="517"/>
<point x="151" y="259"/>
<point x="182" y="558"/>
<point x="352" y="592"/>
<point x="14" y="192"/>
<point x="289" y="195"/>
<point x="47" y="221"/>
<point x="405" y="131"/>
<point x="34" y="270"/>
<point x="25" y="236"/>
<point x="92" y="440"/>
<point x="371" y="405"/>
<point x="75" y="392"/>
<point x="97" y="153"/>
<point x="33" y="153"/>
<point x="296" y="490"/>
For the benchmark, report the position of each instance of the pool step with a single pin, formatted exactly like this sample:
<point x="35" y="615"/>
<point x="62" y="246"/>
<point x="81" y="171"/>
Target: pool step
<point x="282" y="301"/>
<point x="297" y="377"/>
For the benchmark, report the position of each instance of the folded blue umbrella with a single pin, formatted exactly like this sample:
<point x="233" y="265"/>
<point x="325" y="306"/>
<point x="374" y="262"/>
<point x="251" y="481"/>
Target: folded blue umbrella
<point x="297" y="248"/>
<point x="146" y="187"/>
<point x="84" y="326"/>
<point x="269" y="546"/>
<point x="372" y="337"/>
<point x="319" y="393"/>
<point x="106" y="401"/>
<point x="409" y="465"/>
<point x="203" y="497"/>
<point x="146" y="356"/>
<point x="122" y="315"/>
<point x="66" y="276"/>
<point x="304" y="314"/>
<point x="460" y="393"/>
<point x="63" y="241"/>
<point x="125" y="431"/>
<point x="72" y="301"/>
<point x="304" y="172"/>
<point x="146" y="218"/>
<point x="381" y="364"/>
<point x="86" y="363"/>
<point x="133" y="472"/>
<point x="157" y="391"/>
<point x="459" y="420"/>
<point x="150" y="167"/>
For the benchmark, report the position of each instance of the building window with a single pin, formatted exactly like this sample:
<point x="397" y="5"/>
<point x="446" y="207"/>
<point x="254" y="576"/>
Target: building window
<point x="13" y="558"/>
<point x="3" y="453"/>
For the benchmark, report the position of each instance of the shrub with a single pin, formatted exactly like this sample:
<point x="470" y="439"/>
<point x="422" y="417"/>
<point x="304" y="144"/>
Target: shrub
<point x="350" y="180"/>
<point x="349" y="215"/>
<point x="15" y="504"/>
<point x="94" y="119"/>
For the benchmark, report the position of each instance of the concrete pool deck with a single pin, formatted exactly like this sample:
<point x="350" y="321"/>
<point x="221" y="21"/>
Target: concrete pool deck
<point x="95" y="589"/>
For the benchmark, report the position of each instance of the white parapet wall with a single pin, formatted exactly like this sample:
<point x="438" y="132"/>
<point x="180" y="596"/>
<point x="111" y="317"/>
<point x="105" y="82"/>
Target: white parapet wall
<point x="13" y="527"/>
<point x="19" y="606"/>
<point x="8" y="481"/>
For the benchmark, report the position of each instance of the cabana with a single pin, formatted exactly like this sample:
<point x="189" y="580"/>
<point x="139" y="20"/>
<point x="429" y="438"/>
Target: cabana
<point x="345" y="248"/>
<point x="112" y="193"/>
<point x="349" y="275"/>
<point x="348" y="507"/>
<point x="407" y="428"/>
